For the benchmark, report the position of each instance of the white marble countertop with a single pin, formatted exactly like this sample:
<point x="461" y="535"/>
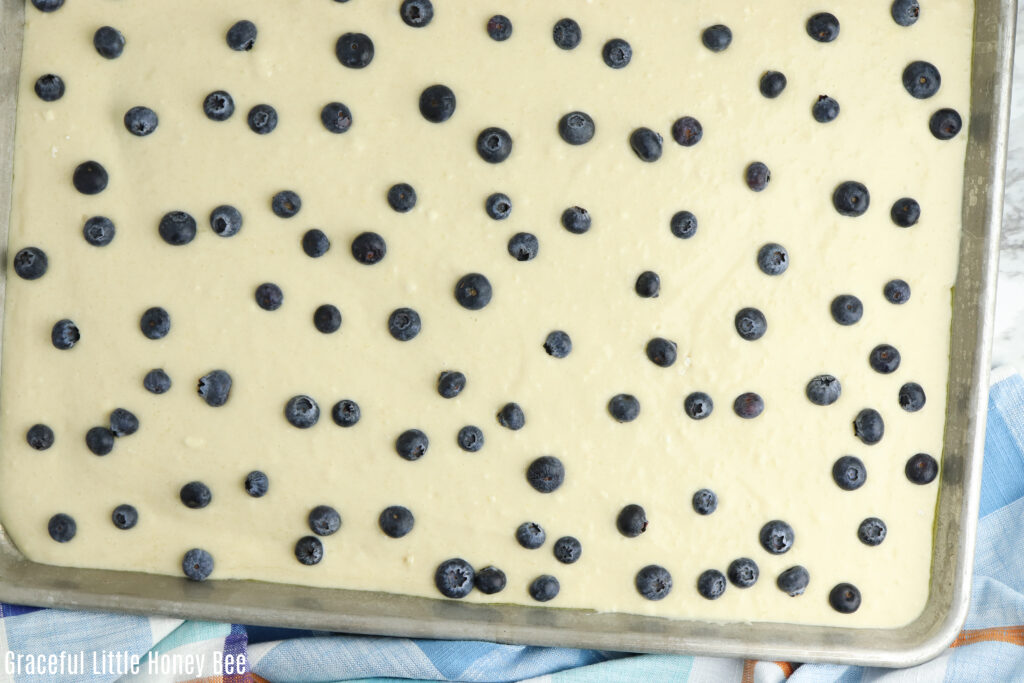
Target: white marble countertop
<point x="1008" y="348"/>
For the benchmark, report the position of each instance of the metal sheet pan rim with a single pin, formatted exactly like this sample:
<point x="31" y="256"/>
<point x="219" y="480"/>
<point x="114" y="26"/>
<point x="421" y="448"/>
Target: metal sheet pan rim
<point x="25" y="582"/>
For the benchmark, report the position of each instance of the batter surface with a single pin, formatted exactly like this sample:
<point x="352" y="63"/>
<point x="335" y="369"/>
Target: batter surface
<point x="777" y="466"/>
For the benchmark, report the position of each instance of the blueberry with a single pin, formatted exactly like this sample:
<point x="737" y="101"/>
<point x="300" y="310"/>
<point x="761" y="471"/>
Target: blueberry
<point x="498" y="206"/>
<point x="823" y="27"/>
<point x="242" y="36"/>
<point x="402" y="197"/>
<point x="412" y="444"/>
<point x="884" y="358"/>
<point x="98" y="230"/>
<point x="437" y="103"/>
<point x="286" y="204"/>
<point x="262" y="119"/>
<point x="195" y="495"/>
<point x="567" y="34"/>
<point x="683" y="225"/>
<point x="523" y="246"/>
<point x="225" y="220"/>
<point x="653" y="582"/>
<point x="124" y="516"/>
<point x="494" y="145"/>
<point x="825" y="109"/>
<point x="846" y="309"/>
<point x="499" y="27"/>
<point x="123" y="422"/>
<point x="648" y="284"/>
<point x="772" y="84"/>
<point x="905" y="212"/>
<point x="62" y="527"/>
<point x="698" y="405"/>
<point x="48" y="5"/>
<point x="711" y="584"/>
<point x="64" y="334"/>
<point x="327" y="318"/>
<point x="451" y="383"/>
<point x="849" y="473"/>
<point x="687" y="131"/>
<point x="868" y="426"/>
<point x="336" y="117"/>
<point x="215" y="388"/>
<point x="896" y="292"/>
<point x="646" y="144"/>
<point x="404" y="324"/>
<point x="922" y="469"/>
<point x="851" y="198"/>
<point x="470" y="439"/>
<point x="218" y="106"/>
<point x="905" y="12"/>
<point x="624" y="407"/>
<point x="39" y="437"/>
<point x="776" y="537"/>
<point x="576" y="220"/>
<point x="324" y="520"/>
<point x="454" y="578"/>
<point x="743" y="572"/>
<point x="49" y="87"/>
<point x="473" y="291"/>
<point x="155" y="323"/>
<point x="661" y="352"/>
<point x="921" y="79"/>
<point x="346" y="413"/>
<point x="490" y="580"/>
<point x="704" y="502"/>
<point x="315" y="243"/>
<point x="90" y="177"/>
<point x="141" y="121"/>
<point x="871" y="531"/>
<point x="911" y="397"/>
<point x="302" y="411"/>
<point x="632" y="521"/>
<point x="369" y="248"/>
<point x="844" y="598"/>
<point x="757" y="176"/>
<point x="567" y="549"/>
<point x="197" y="564"/>
<point x="716" y="38"/>
<point x="748" y="405"/>
<point x="546" y="473"/>
<point x="396" y="521"/>
<point x="773" y="259"/>
<point x="157" y="381"/>
<point x="416" y="13"/>
<point x="512" y="417"/>
<point x="530" y="535"/>
<point x="269" y="296"/>
<point x="750" y="324"/>
<point x="31" y="263"/>
<point x="177" y="228"/>
<point x="354" y="50"/>
<point x="309" y="550"/>
<point x="617" y="53"/>
<point x="108" y="41"/>
<point x="576" y="128"/>
<point x="544" y="588"/>
<point x="823" y="390"/>
<point x="793" y="581"/>
<point x="945" y="124"/>
<point x="256" y="484"/>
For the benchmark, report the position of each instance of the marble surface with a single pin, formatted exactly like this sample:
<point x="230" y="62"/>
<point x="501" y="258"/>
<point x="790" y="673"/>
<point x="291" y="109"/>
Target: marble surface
<point x="1008" y="348"/>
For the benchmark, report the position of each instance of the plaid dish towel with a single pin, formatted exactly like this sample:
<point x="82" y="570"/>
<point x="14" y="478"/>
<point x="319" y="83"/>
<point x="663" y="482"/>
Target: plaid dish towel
<point x="40" y="644"/>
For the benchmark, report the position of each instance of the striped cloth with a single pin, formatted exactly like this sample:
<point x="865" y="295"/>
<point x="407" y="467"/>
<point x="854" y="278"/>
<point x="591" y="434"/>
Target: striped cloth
<point x="114" y="647"/>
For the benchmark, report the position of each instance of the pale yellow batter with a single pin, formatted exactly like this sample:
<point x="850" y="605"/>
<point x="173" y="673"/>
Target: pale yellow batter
<point x="469" y="505"/>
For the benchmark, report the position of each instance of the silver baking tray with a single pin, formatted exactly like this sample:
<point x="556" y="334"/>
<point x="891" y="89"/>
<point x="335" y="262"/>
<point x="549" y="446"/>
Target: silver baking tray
<point x="26" y="582"/>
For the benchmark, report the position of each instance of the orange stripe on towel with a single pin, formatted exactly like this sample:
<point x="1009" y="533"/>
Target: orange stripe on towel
<point x="1001" y="634"/>
<point x="787" y="668"/>
<point x="748" y="670"/>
